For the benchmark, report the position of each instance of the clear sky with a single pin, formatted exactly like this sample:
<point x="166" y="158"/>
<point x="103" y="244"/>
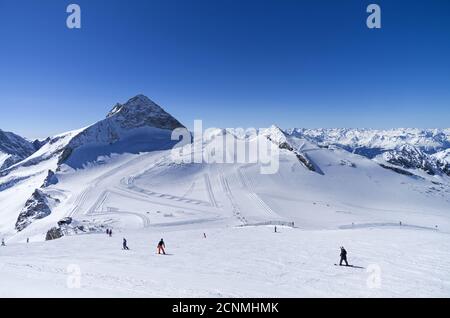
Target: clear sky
<point x="232" y="63"/>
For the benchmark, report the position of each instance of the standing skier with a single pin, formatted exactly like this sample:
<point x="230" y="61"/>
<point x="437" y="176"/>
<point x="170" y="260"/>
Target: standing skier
<point x="3" y="242"/>
<point x="343" y="256"/>
<point x="125" y="247"/>
<point x="161" y="247"/>
<point x="275" y="229"/>
<point x="110" y="232"/>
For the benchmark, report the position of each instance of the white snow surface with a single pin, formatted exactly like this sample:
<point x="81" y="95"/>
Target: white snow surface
<point x="394" y="226"/>
<point x="146" y="196"/>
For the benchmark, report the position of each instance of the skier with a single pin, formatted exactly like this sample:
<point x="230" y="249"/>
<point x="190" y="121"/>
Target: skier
<point x="204" y="235"/>
<point x="125" y="247"/>
<point x="107" y="231"/>
<point x="110" y="232"/>
<point x="3" y="242"/>
<point x="343" y="256"/>
<point x="161" y="247"/>
<point x="28" y="240"/>
<point x="275" y="229"/>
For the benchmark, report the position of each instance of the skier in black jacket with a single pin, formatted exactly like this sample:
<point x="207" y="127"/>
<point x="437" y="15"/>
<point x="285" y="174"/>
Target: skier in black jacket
<point x="125" y="247"/>
<point x="161" y="246"/>
<point x="343" y="256"/>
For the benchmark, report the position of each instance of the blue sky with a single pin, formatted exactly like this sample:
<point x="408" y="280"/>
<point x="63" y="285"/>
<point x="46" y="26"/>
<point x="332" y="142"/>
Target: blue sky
<point x="232" y="63"/>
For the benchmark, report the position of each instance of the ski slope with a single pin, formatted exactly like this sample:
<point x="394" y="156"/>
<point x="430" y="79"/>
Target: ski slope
<point x="232" y="262"/>
<point x="120" y="174"/>
<point x="146" y="196"/>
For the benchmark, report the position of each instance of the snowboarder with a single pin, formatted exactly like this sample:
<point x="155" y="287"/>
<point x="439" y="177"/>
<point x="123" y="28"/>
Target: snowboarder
<point x="125" y="247"/>
<point x="343" y="256"/>
<point x="161" y="247"/>
<point x="3" y="242"/>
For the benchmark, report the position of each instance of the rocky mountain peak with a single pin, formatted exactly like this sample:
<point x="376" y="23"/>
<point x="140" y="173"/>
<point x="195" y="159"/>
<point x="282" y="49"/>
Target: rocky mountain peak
<point x="141" y="111"/>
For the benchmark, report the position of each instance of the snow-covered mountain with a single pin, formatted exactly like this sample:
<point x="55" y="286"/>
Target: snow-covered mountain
<point x="442" y="159"/>
<point x="410" y="157"/>
<point x="136" y="126"/>
<point x="119" y="173"/>
<point x="372" y="142"/>
<point x="13" y="149"/>
<point x="406" y="148"/>
<point x="139" y="125"/>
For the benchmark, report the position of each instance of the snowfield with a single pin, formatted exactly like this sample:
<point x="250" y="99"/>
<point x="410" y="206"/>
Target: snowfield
<point x="391" y="215"/>
<point x="232" y="262"/>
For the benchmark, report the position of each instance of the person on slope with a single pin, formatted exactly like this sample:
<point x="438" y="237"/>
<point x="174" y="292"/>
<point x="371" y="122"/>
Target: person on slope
<point x="343" y="256"/>
<point x="3" y="242"/>
<point x="110" y="232"/>
<point x="161" y="247"/>
<point x="125" y="246"/>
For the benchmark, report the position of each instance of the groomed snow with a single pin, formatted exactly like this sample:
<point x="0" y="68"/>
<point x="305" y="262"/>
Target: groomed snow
<point x="232" y="262"/>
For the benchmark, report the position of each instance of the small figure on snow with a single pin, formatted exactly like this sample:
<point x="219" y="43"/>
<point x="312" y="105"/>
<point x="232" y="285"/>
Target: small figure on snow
<point x="110" y="232"/>
<point x="3" y="242"/>
<point x="161" y="247"/>
<point x="125" y="246"/>
<point x="28" y="240"/>
<point x="275" y="229"/>
<point x="343" y="256"/>
<point x="204" y="235"/>
<point x="107" y="231"/>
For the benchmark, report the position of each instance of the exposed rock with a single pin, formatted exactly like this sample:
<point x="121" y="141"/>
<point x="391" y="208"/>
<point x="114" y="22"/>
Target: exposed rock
<point x="65" y="154"/>
<point x="14" y="149"/>
<point x="348" y="163"/>
<point x="51" y="179"/>
<point x="398" y="170"/>
<point x="39" y="143"/>
<point x="36" y="207"/>
<point x="141" y="111"/>
<point x="54" y="233"/>
<point x="278" y="137"/>
<point x="137" y="113"/>
<point x="410" y="157"/>
<point x="443" y="161"/>
<point x="65" y="221"/>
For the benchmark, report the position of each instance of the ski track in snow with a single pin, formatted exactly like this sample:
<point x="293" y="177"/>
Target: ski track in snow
<point x="236" y="211"/>
<point x="249" y="187"/>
